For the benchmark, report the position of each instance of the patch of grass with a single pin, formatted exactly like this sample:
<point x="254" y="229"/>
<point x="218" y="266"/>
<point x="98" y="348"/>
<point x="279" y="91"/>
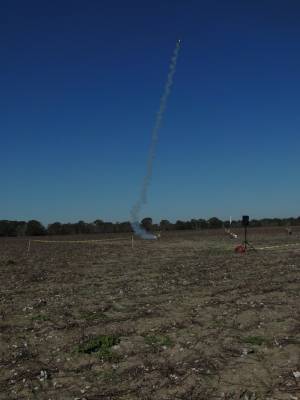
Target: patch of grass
<point x="218" y="323"/>
<point x="94" y="316"/>
<point x="255" y="340"/>
<point x="118" y="307"/>
<point x="157" y="341"/>
<point x="101" y="345"/>
<point x="40" y="317"/>
<point x="108" y="376"/>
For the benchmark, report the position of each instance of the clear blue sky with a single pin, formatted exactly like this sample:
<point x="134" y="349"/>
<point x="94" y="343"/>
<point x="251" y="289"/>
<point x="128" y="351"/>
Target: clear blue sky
<point x="80" y="87"/>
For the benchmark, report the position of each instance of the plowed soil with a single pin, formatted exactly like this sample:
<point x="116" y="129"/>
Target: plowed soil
<point x="190" y="318"/>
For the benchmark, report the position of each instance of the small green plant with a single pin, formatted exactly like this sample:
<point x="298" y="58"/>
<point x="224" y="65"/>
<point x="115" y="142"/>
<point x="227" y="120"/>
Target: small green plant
<point x="101" y="345"/>
<point x="157" y="341"/>
<point x="255" y="340"/>
<point x="40" y="317"/>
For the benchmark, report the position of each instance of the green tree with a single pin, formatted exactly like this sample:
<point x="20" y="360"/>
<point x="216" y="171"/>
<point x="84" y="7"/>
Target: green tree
<point x="180" y="225"/>
<point x="81" y="227"/>
<point x="147" y="223"/>
<point x="125" y="227"/>
<point x="54" y="229"/>
<point x="7" y="228"/>
<point x="165" y="225"/>
<point x="99" y="226"/>
<point x="108" y="227"/>
<point x="202" y="223"/>
<point x="68" y="229"/>
<point x="215" y="223"/>
<point x="35" y="228"/>
<point x="21" y="228"/>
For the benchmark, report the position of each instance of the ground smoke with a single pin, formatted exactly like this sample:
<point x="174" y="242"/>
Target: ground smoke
<point x="135" y="211"/>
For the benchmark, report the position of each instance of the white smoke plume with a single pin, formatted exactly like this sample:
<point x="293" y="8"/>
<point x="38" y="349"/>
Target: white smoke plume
<point x="135" y="211"/>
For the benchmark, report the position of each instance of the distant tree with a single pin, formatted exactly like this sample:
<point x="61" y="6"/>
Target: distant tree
<point x="68" y="229"/>
<point x="215" y="223"/>
<point x="255" y="223"/>
<point x="81" y="227"/>
<point x="277" y="222"/>
<point x="266" y="222"/>
<point x="202" y="223"/>
<point x="35" y="228"/>
<point x="108" y="227"/>
<point x="90" y="228"/>
<point x="116" y="226"/>
<point x="165" y="225"/>
<point x="21" y="228"/>
<point x="292" y="221"/>
<point x="99" y="226"/>
<point x="147" y="223"/>
<point x="125" y="227"/>
<point x="236" y="224"/>
<point x="189" y="225"/>
<point x="180" y="225"/>
<point x="194" y="223"/>
<point x="8" y="228"/>
<point x="226" y="224"/>
<point x="155" y="227"/>
<point x="54" y="229"/>
<point x="3" y="227"/>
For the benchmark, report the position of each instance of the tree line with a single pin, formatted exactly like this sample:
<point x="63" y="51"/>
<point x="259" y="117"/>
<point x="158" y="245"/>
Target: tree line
<point x="36" y="228"/>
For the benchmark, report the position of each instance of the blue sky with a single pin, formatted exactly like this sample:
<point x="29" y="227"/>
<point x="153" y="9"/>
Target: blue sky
<point x="80" y="88"/>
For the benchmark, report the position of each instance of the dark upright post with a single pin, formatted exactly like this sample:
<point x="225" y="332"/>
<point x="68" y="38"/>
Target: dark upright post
<point x="245" y="223"/>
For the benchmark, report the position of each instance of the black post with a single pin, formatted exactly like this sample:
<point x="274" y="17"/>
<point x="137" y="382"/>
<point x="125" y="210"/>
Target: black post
<point x="245" y="223"/>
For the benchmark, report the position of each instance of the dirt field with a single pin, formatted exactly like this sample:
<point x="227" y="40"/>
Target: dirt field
<point x="180" y="318"/>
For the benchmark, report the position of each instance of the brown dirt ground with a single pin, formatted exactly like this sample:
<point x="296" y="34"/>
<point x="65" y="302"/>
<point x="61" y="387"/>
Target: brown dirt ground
<point x="194" y="319"/>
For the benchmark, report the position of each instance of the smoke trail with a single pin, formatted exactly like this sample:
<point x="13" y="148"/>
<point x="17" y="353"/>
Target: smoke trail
<point x="135" y="211"/>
